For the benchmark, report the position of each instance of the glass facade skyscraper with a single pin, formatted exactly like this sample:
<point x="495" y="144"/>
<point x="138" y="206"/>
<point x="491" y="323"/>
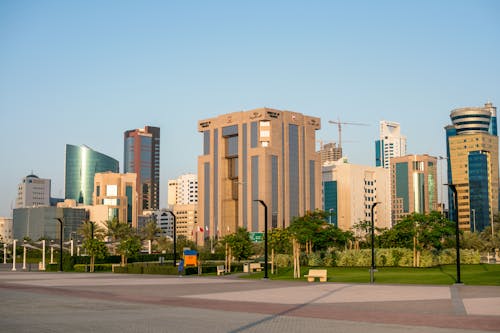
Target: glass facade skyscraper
<point x="142" y="156"/>
<point x="82" y="163"/>
<point x="472" y="148"/>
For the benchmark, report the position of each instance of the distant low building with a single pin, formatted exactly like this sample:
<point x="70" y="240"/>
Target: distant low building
<point x="6" y="230"/>
<point x="164" y="221"/>
<point x="40" y="222"/>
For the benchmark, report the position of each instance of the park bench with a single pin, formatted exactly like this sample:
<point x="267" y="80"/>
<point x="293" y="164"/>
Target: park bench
<point x="316" y="273"/>
<point x="220" y="270"/>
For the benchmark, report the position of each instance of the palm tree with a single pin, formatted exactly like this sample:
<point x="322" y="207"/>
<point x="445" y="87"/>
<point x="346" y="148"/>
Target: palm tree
<point x="117" y="231"/>
<point x="149" y="232"/>
<point x="90" y="230"/>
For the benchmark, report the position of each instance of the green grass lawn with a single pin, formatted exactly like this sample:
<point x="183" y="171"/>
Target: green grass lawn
<point x="482" y="274"/>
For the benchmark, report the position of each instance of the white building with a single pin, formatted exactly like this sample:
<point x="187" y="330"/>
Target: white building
<point x="391" y="143"/>
<point x="350" y="190"/>
<point x="164" y="221"/>
<point x="183" y="190"/>
<point x="32" y="192"/>
<point x="6" y="230"/>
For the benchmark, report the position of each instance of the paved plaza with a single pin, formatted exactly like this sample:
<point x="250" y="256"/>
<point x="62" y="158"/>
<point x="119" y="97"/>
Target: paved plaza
<point x="106" y="302"/>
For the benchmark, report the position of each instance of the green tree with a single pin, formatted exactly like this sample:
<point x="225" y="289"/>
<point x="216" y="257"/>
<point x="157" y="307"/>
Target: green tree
<point x="491" y="240"/>
<point x="430" y="231"/>
<point x="95" y="249"/>
<point x="240" y="244"/>
<point x="129" y="247"/>
<point x="279" y="240"/>
<point x="309" y="230"/>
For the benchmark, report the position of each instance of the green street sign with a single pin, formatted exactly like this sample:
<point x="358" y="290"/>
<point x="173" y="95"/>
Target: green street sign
<point x="256" y="236"/>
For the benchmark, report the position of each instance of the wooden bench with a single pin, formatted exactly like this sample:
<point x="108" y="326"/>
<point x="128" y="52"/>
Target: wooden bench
<point x="316" y="273"/>
<point x="220" y="270"/>
<point x="255" y="267"/>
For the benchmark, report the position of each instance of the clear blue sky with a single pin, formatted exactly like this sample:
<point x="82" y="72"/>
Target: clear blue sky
<point x="83" y="72"/>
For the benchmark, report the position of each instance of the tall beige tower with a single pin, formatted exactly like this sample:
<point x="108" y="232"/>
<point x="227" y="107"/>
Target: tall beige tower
<point x="262" y="154"/>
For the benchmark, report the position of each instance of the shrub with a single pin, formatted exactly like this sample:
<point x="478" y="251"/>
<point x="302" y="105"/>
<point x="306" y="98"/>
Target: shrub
<point x="283" y="260"/>
<point x="330" y="258"/>
<point x="314" y="259"/>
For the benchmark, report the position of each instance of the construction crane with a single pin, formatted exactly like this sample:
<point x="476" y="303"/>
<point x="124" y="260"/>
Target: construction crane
<point x="340" y="123"/>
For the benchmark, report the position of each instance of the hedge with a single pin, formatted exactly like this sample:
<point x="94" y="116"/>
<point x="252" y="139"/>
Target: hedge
<point x="97" y="268"/>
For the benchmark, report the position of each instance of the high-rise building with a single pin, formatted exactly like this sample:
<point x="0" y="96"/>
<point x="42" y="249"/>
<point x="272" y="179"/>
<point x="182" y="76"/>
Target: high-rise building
<point x="391" y="143"/>
<point x="183" y="190"/>
<point x="142" y="156"/>
<point x="118" y="192"/>
<point x="82" y="163"/>
<point x="472" y="151"/>
<point x="330" y="153"/>
<point x="350" y="190"/>
<point x="262" y="154"/>
<point x="33" y="191"/>
<point x="414" y="185"/>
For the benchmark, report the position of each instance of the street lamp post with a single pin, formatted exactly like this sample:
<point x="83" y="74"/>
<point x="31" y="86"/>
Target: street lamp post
<point x="474" y="218"/>
<point x="43" y="254"/>
<point x="60" y="243"/>
<point x="51" y="251"/>
<point x="457" y="229"/>
<point x="330" y="216"/>
<point x="14" y="254"/>
<point x="265" y="238"/>
<point x="175" y="235"/>
<point x="4" y="253"/>
<point x="372" y="268"/>
<point x="24" y="255"/>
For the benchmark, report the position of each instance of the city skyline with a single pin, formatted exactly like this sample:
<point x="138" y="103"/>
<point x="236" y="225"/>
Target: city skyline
<point x="83" y="73"/>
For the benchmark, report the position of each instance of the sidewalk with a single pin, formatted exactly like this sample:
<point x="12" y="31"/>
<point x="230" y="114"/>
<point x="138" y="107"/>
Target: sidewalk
<point x="225" y="304"/>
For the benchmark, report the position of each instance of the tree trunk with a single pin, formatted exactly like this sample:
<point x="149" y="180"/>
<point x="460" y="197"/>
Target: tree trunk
<point x="272" y="261"/>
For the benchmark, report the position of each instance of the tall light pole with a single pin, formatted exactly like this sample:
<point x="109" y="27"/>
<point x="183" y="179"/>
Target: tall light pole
<point x="474" y="218"/>
<point x="14" y="254"/>
<point x="43" y="254"/>
<point x="175" y="235"/>
<point x="457" y="229"/>
<point x="24" y="254"/>
<point x="442" y="183"/>
<point x="265" y="237"/>
<point x="330" y="216"/>
<point x="372" y="268"/>
<point x="60" y="220"/>
<point x="4" y="253"/>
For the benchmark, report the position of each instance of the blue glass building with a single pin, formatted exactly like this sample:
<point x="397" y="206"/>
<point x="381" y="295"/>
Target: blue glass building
<point x="82" y="163"/>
